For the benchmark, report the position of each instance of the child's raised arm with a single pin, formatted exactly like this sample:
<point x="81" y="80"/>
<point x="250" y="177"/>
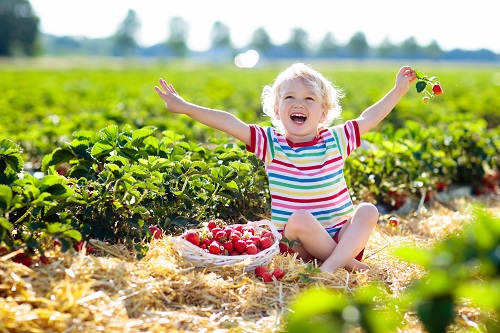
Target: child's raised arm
<point x="221" y="120"/>
<point x="378" y="111"/>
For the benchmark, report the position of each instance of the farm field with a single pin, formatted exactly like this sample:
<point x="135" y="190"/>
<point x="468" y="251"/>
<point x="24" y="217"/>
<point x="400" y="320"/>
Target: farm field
<point x="110" y="291"/>
<point x="102" y="160"/>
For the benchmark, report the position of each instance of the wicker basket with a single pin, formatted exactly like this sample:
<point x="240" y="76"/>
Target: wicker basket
<point x="200" y="258"/>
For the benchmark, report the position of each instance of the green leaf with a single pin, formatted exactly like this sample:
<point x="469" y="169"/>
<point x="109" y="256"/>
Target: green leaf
<point x="413" y="254"/>
<point x="317" y="310"/>
<point x="120" y="159"/>
<point x="75" y="234"/>
<point x="142" y="133"/>
<point x="86" y="136"/>
<point x="109" y="134"/>
<point x="420" y="86"/>
<point x="101" y="149"/>
<point x="15" y="162"/>
<point x="419" y="74"/>
<point x="5" y="197"/>
<point x="54" y="228"/>
<point x="4" y="223"/>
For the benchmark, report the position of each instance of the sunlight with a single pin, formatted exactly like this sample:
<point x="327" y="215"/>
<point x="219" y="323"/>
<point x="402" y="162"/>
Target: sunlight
<point x="247" y="59"/>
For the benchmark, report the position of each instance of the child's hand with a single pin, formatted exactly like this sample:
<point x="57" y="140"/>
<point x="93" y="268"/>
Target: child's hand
<point x="405" y="77"/>
<point x="173" y="101"/>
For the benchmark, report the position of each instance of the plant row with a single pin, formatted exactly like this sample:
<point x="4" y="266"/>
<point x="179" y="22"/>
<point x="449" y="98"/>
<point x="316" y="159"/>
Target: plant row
<point x="114" y="184"/>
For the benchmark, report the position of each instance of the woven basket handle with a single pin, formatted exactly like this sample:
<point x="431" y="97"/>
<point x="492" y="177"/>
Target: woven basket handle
<point x="271" y="226"/>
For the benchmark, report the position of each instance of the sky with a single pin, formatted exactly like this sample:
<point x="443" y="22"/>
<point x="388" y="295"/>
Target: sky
<point x="469" y="25"/>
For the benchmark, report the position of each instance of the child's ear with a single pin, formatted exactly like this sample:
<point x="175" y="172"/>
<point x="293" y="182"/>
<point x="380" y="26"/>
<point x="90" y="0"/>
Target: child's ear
<point x="277" y="113"/>
<point x="324" y="114"/>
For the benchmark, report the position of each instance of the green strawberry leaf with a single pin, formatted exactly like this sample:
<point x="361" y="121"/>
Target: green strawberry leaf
<point x="289" y="243"/>
<point x="420" y="86"/>
<point x="419" y="74"/>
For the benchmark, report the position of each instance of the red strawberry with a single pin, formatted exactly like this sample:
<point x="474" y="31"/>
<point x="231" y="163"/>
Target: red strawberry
<point x="193" y="237"/>
<point x="156" y="232"/>
<point x="251" y="249"/>
<point x="211" y="225"/>
<point x="437" y="89"/>
<point x="266" y="233"/>
<point x="393" y="221"/>
<point x="265" y="243"/>
<point x="44" y="260"/>
<point x="229" y="246"/>
<point x="207" y="242"/>
<point x="240" y="246"/>
<point x="255" y="240"/>
<point x="214" y="248"/>
<point x="278" y="273"/>
<point x="266" y="277"/>
<point x="251" y="230"/>
<point x="78" y="246"/>
<point x="259" y="270"/>
<point x="220" y="236"/>
<point x="22" y="258"/>
<point x="239" y="227"/>
<point x="228" y="231"/>
<point x="235" y="236"/>
<point x="215" y="231"/>
<point x="89" y="249"/>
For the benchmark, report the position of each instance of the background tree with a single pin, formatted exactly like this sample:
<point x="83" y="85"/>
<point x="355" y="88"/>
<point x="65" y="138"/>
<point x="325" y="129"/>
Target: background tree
<point x="260" y="40"/>
<point x="387" y="49"/>
<point x="18" y="28"/>
<point x="177" y="40"/>
<point x="125" y="39"/>
<point x="220" y="36"/>
<point x="410" y="48"/>
<point x="357" y="45"/>
<point x="433" y="50"/>
<point x="299" y="41"/>
<point x="328" y="45"/>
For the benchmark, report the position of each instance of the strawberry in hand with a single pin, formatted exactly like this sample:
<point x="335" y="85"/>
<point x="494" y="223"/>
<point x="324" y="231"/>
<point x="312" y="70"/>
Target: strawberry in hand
<point x="423" y="82"/>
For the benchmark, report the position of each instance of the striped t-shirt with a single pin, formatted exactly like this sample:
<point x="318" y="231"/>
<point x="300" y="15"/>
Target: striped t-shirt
<point x="307" y="175"/>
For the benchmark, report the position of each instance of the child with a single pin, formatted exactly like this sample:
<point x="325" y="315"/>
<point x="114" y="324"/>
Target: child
<point x="310" y="202"/>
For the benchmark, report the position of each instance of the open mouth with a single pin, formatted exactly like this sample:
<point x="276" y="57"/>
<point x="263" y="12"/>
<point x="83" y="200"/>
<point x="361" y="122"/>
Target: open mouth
<point x="298" y="118"/>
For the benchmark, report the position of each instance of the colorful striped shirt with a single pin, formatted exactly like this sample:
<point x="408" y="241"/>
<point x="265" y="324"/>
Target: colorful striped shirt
<point x="308" y="175"/>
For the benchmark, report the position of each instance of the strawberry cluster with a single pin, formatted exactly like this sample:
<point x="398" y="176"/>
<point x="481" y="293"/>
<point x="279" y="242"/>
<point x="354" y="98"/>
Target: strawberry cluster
<point x="422" y="84"/>
<point x="230" y="240"/>
<point x="263" y="273"/>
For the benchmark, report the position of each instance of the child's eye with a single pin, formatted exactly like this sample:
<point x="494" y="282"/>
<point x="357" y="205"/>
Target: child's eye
<point x="310" y="98"/>
<point x="288" y="97"/>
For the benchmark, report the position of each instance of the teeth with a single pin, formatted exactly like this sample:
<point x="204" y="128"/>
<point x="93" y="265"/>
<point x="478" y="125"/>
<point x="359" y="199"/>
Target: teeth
<point x="297" y="115"/>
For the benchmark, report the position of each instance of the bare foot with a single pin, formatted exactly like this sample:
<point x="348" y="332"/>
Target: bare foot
<point x="352" y="266"/>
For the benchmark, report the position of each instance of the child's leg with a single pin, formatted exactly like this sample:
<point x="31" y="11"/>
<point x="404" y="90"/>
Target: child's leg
<point x="353" y="238"/>
<point x="315" y="241"/>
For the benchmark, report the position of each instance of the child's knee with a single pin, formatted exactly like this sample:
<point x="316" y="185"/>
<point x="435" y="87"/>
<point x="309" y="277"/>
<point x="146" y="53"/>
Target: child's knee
<point x="299" y="220"/>
<point x="368" y="213"/>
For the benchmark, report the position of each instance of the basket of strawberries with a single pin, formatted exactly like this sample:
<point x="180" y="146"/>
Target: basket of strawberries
<point x="253" y="244"/>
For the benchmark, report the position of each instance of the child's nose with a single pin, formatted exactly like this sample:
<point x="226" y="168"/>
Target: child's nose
<point x="299" y="103"/>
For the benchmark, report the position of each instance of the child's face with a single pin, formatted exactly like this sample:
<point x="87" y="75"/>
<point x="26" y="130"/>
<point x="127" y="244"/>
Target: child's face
<point x="300" y="111"/>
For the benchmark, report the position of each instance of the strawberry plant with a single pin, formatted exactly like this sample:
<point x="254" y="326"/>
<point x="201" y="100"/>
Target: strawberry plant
<point x="32" y="208"/>
<point x="124" y="181"/>
<point x="423" y="82"/>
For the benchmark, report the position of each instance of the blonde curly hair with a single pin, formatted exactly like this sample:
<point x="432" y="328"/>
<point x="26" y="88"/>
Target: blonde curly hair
<point x="325" y="91"/>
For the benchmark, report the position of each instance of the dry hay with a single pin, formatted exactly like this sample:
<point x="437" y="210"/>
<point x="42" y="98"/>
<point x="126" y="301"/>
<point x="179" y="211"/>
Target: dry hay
<point x="110" y="291"/>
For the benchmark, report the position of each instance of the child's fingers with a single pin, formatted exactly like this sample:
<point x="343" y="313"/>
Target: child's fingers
<point x="172" y="89"/>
